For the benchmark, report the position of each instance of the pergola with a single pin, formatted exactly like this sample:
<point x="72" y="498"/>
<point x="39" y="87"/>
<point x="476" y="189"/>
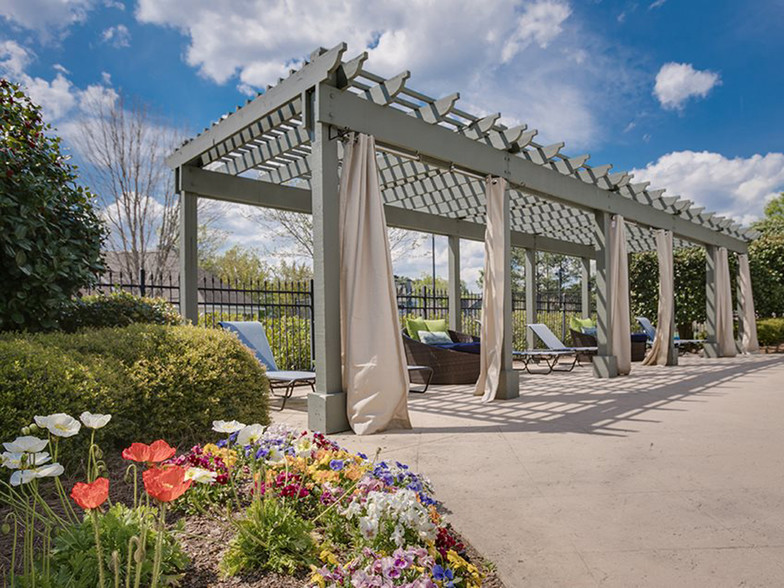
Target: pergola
<point x="282" y="150"/>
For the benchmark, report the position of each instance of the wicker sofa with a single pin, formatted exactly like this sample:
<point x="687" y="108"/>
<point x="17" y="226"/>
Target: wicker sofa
<point x="449" y="366"/>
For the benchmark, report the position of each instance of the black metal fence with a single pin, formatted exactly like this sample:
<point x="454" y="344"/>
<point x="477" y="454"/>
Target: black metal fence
<point x="286" y="309"/>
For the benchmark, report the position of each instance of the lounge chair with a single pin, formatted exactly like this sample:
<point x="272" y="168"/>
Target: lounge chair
<point x="650" y="331"/>
<point x="253" y="335"/>
<point x="555" y="351"/>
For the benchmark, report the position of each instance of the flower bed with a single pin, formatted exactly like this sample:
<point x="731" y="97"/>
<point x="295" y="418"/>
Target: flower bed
<point x="270" y="503"/>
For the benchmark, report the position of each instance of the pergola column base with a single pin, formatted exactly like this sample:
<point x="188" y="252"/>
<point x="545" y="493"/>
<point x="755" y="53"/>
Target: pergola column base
<point x="605" y="366"/>
<point x="711" y="349"/>
<point x="508" y="385"/>
<point x="327" y="412"/>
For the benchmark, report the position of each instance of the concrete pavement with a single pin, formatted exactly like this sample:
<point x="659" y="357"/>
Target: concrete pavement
<point x="669" y="477"/>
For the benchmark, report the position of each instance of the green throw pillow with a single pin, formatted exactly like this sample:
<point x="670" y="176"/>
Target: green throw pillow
<point x="578" y="324"/>
<point x="414" y="325"/>
<point x="436" y="325"/>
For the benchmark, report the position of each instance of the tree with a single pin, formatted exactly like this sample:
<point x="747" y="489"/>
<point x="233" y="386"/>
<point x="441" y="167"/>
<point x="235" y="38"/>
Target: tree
<point x="125" y="147"/>
<point x="50" y="234"/>
<point x="242" y="267"/>
<point x="298" y="228"/>
<point x="773" y="223"/>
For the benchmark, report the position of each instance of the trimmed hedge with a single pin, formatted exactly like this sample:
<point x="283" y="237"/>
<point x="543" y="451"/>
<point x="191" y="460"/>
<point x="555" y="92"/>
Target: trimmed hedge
<point x="770" y="331"/>
<point x="156" y="381"/>
<point x="118" y="309"/>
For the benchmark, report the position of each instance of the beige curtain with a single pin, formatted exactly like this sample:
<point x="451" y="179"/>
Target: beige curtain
<point x="492" y="331"/>
<point x="661" y="343"/>
<point x="748" y="335"/>
<point x="374" y="363"/>
<point x="619" y="278"/>
<point x="724" y="334"/>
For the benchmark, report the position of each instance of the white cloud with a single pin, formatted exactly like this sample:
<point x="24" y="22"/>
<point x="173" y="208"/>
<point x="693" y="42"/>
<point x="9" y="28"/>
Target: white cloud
<point x="540" y="23"/>
<point x="45" y="17"/>
<point x="14" y="58"/>
<point x="118" y="36"/>
<point x="525" y="57"/>
<point x="656" y="4"/>
<point x="737" y="187"/>
<point x="677" y="82"/>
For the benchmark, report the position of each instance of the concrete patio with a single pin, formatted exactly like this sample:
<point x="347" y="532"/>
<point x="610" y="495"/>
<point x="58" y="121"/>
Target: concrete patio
<point x="668" y="477"/>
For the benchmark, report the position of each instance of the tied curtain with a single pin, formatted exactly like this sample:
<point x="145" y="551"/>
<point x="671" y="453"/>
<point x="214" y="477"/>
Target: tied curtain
<point x="662" y="342"/>
<point x="619" y="311"/>
<point x="748" y="323"/>
<point x="492" y="329"/>
<point x="724" y="335"/>
<point x="375" y="375"/>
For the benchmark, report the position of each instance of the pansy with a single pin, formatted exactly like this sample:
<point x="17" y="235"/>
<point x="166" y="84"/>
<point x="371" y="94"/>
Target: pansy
<point x="227" y="427"/>
<point x="275" y="456"/>
<point x="201" y="475"/>
<point x="26" y="444"/>
<point x="249" y="434"/>
<point x="94" y="421"/>
<point x="304" y="447"/>
<point x="15" y="461"/>
<point x="336" y="465"/>
<point x="59" y="424"/>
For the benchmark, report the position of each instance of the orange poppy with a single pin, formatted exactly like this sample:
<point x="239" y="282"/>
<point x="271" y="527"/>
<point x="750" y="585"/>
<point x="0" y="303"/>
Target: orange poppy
<point x="166" y="484"/>
<point x="156" y="452"/>
<point x="91" y="495"/>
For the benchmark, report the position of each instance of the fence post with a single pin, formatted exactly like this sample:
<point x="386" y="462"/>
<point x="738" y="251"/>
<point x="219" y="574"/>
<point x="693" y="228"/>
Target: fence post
<point x="142" y="288"/>
<point x="312" y="329"/>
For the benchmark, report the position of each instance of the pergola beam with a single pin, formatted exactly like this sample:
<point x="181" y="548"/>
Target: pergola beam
<point x="395" y="128"/>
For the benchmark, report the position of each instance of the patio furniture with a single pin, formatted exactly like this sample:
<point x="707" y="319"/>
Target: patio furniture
<point x="457" y="363"/>
<point x="580" y="339"/>
<point x="555" y="351"/>
<point x="638" y="341"/>
<point x="650" y="332"/>
<point x="253" y="335"/>
<point x="427" y="375"/>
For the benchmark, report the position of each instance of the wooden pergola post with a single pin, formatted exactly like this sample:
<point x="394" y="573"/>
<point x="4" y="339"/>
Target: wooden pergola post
<point x="189" y="278"/>
<point x="604" y="362"/>
<point x="455" y="291"/>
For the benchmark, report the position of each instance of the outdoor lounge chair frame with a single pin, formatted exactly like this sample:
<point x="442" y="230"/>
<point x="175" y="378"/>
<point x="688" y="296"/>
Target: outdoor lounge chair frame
<point x="253" y="336"/>
<point x="555" y="352"/>
<point x="680" y="344"/>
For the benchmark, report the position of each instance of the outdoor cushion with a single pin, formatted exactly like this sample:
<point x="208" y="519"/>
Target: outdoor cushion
<point x="464" y="347"/>
<point x="580" y="324"/>
<point x="436" y="325"/>
<point x="590" y="331"/>
<point x="437" y="338"/>
<point x="414" y="325"/>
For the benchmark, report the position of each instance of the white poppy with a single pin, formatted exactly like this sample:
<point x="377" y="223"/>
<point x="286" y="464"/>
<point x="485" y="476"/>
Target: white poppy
<point x="15" y="461"/>
<point x="59" y="424"/>
<point x="94" y="421"/>
<point x="228" y="427"/>
<point x="250" y="434"/>
<point x="22" y="477"/>
<point x="201" y="475"/>
<point x="51" y="470"/>
<point x="26" y="444"/>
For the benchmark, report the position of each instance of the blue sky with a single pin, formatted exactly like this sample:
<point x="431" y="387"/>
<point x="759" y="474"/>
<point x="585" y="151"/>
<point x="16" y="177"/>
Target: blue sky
<point x="686" y="94"/>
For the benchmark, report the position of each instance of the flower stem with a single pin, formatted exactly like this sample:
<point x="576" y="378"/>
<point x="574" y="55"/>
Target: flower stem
<point x="98" y="550"/>
<point x="156" y="564"/>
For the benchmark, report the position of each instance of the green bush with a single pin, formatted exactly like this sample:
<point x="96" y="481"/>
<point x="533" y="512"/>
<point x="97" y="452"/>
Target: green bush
<point x="75" y="565"/>
<point x="271" y="536"/>
<point x="157" y="381"/>
<point x="118" y="309"/>
<point x="50" y="232"/>
<point x="770" y="331"/>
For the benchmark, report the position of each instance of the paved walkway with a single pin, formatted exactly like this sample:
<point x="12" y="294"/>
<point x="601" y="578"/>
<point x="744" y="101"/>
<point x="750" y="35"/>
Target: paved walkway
<point x="670" y="477"/>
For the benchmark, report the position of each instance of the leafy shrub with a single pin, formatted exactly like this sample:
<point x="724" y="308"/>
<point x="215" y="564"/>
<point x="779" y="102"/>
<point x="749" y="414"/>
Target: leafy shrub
<point x="50" y="234"/>
<point x="118" y="309"/>
<point x="273" y="537"/>
<point x="74" y="563"/>
<point x="156" y="381"/>
<point x="770" y="331"/>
